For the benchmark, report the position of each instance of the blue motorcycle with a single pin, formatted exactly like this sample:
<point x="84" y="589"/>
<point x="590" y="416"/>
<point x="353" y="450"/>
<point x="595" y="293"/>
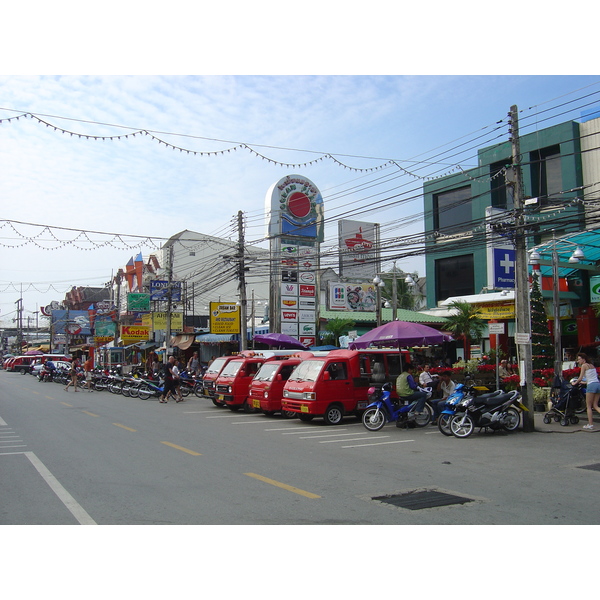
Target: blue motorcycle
<point x="382" y="410"/>
<point x="461" y="391"/>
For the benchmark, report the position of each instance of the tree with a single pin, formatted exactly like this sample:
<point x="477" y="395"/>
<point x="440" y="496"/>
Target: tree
<point x="465" y="324"/>
<point x="542" y="346"/>
<point x="336" y="328"/>
<point x="404" y="296"/>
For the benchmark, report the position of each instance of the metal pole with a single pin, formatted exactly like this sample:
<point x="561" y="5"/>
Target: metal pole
<point x="242" y="285"/>
<point x="394" y="295"/>
<point x="556" y="302"/>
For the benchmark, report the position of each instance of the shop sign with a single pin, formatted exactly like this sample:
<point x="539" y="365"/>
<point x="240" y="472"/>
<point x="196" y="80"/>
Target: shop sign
<point x="491" y="312"/>
<point x="134" y="333"/>
<point x="224" y="318"/>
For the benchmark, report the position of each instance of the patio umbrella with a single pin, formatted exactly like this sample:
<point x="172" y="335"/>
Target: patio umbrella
<point x="398" y="334"/>
<point x="279" y="340"/>
<point x="33" y="353"/>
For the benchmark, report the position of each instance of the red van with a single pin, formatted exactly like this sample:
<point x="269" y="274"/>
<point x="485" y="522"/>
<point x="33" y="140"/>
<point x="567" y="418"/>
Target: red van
<point x="266" y="389"/>
<point x="233" y="383"/>
<point x="337" y="384"/>
<point x="210" y="377"/>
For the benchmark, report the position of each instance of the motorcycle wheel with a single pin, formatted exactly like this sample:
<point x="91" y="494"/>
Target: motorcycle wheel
<point x="512" y="419"/>
<point x="185" y="390"/>
<point x="422" y="419"/>
<point x="144" y="392"/>
<point x="218" y="403"/>
<point x="373" y="419"/>
<point x="199" y="390"/>
<point x="462" y="425"/>
<point x="444" y="424"/>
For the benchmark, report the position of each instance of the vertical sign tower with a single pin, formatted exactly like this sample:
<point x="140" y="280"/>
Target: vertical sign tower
<point x="294" y="208"/>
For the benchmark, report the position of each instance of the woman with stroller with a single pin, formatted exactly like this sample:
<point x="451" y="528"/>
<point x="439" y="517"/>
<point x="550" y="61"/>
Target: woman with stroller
<point x="592" y="395"/>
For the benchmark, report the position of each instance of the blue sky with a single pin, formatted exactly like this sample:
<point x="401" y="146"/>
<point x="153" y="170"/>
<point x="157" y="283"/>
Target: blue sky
<point x="138" y="186"/>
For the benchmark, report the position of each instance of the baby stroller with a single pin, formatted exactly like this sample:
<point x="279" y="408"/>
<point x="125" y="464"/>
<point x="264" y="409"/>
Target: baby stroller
<point x="565" y="399"/>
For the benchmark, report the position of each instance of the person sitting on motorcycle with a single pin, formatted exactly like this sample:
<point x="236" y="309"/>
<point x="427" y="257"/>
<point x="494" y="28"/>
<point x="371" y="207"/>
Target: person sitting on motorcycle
<point x="408" y="390"/>
<point x="448" y="387"/>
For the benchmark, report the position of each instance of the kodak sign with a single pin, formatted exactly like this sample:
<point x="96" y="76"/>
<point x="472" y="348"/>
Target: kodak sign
<point x="134" y="333"/>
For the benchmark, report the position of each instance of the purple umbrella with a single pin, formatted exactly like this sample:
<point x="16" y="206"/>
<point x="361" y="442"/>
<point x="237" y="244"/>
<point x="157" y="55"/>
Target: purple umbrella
<point x="280" y="340"/>
<point x="33" y="353"/>
<point x="400" y="333"/>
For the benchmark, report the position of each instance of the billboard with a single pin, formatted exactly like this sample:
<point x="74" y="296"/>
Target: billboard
<point x="360" y="297"/>
<point x="71" y="319"/>
<point x="359" y="249"/>
<point x="224" y="318"/>
<point x="159" y="290"/>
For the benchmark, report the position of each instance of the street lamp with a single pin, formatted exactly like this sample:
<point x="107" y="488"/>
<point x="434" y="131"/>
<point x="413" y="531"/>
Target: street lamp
<point x="378" y="283"/>
<point x="562" y="246"/>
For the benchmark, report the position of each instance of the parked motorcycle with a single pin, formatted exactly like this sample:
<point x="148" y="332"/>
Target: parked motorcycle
<point x="492" y="411"/>
<point x="382" y="410"/>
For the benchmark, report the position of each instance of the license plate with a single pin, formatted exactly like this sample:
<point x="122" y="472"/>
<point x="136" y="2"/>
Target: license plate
<point x="361" y="405"/>
<point x="255" y="403"/>
<point x="221" y="398"/>
<point x="304" y="408"/>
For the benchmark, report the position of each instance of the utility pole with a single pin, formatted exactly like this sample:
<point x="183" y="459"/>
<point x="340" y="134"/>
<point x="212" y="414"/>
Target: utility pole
<point x="522" y="308"/>
<point x="169" y="300"/>
<point x="394" y="295"/>
<point x="242" y="283"/>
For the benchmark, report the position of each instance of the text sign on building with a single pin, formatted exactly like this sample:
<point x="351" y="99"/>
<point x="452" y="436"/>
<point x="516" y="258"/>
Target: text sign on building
<point x="595" y="289"/>
<point x="224" y="318"/>
<point x="497" y="328"/>
<point x="159" y="290"/>
<point x="504" y="267"/>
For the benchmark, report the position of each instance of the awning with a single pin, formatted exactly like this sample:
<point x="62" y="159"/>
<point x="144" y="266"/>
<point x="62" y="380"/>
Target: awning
<point x="183" y="341"/>
<point x="215" y="338"/>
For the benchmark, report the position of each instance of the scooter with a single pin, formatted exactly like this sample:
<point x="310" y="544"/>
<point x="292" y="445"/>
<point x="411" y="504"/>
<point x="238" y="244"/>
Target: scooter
<point x="382" y="410"/>
<point x="449" y="406"/>
<point x="492" y="411"/>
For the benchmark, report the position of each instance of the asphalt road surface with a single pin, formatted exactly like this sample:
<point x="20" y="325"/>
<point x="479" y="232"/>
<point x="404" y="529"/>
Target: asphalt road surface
<point x="98" y="458"/>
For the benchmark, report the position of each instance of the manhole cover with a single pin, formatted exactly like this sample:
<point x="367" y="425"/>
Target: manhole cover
<point x="594" y="467"/>
<point x="422" y="499"/>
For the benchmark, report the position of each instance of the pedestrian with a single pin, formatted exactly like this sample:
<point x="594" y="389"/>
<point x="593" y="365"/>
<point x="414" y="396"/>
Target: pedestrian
<point x="88" y="367"/>
<point x="193" y="365"/>
<point x="169" y="381"/>
<point x="176" y="370"/>
<point x="592" y="392"/>
<point x="73" y="374"/>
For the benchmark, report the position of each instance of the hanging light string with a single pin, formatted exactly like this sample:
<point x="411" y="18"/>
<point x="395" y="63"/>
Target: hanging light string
<point x="237" y="146"/>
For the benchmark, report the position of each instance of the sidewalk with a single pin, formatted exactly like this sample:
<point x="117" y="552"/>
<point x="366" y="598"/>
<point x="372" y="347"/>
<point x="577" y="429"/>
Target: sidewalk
<point x="556" y="427"/>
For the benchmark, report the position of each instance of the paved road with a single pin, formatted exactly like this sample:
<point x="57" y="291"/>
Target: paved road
<point x="97" y="458"/>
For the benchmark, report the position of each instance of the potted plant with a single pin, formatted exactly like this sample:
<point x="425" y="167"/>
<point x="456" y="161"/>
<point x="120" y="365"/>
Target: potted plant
<point x="540" y="399"/>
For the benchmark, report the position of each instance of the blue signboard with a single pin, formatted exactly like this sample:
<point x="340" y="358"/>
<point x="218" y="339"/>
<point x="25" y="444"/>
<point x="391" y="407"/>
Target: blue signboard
<point x="159" y="290"/>
<point x="504" y="267"/>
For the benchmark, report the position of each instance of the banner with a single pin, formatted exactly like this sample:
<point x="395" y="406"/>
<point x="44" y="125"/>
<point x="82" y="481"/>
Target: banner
<point x="490" y="312"/>
<point x="138" y="302"/>
<point x="358" y="249"/>
<point x="352" y="296"/>
<point x="130" y="334"/>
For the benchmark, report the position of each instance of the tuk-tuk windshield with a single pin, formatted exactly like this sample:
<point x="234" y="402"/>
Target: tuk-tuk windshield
<point x="266" y="372"/>
<point x="216" y="365"/>
<point x="307" y="370"/>
<point x="231" y="368"/>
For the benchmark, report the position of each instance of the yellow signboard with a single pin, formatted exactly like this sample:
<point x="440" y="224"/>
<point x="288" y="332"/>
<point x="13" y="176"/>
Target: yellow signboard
<point x="489" y="312"/>
<point x="134" y="333"/>
<point x="158" y="321"/>
<point x="224" y="317"/>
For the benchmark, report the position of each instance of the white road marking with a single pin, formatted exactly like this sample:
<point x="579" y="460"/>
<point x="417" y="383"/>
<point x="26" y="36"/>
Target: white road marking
<point x="379" y="444"/>
<point x="71" y="504"/>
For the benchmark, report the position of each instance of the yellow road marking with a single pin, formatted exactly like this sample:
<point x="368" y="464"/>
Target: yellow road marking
<point x="89" y="413"/>
<point x="49" y="397"/>
<point x="124" y="427"/>
<point x="182" y="449"/>
<point x="289" y="488"/>
<point x="70" y="405"/>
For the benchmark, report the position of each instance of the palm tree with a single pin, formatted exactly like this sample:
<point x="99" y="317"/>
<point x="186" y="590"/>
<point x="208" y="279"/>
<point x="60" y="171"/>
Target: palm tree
<point x="336" y="328"/>
<point x="465" y="324"/>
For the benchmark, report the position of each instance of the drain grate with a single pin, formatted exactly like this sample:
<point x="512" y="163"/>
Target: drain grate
<point x="594" y="467"/>
<point x="418" y="500"/>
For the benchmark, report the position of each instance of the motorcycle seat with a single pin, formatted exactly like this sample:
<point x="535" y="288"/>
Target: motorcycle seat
<point x="493" y="399"/>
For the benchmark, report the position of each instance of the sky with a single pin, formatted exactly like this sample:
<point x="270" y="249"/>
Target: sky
<point x="248" y="125"/>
